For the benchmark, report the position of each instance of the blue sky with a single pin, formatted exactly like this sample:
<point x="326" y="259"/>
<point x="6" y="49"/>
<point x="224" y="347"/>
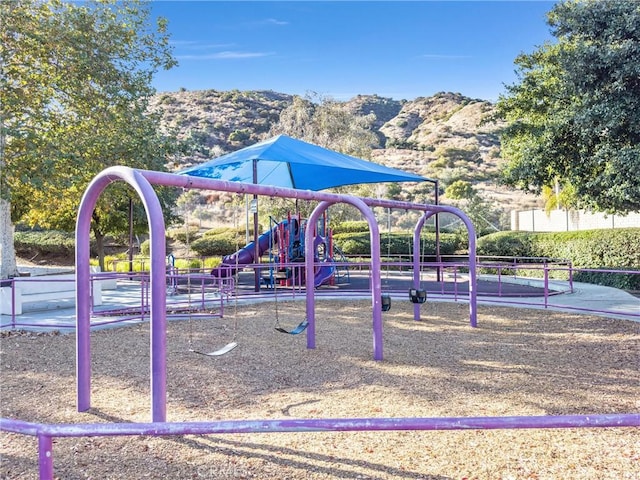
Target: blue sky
<point x="397" y="49"/>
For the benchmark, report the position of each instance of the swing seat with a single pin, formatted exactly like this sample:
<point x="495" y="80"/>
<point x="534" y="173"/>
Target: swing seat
<point x="417" y="296"/>
<point x="299" y="329"/>
<point x="386" y="303"/>
<point x="216" y="353"/>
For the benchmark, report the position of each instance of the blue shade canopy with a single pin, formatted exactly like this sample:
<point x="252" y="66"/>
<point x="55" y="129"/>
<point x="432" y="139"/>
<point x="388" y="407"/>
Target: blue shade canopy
<point x="287" y="162"/>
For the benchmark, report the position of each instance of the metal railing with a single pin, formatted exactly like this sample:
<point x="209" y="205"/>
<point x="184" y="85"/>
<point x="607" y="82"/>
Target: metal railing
<point x="508" y="281"/>
<point x="46" y="433"/>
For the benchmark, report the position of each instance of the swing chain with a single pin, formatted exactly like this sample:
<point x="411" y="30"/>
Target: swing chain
<point x="186" y="232"/>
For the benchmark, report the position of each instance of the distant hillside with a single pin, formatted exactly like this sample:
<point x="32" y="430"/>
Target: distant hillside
<point x="443" y="136"/>
<point x="219" y="121"/>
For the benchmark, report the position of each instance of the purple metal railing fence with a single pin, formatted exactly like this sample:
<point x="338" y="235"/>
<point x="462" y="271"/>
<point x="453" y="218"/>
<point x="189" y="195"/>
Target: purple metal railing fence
<point x="503" y="272"/>
<point x="47" y="432"/>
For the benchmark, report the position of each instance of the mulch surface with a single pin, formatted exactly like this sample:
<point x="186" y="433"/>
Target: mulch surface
<point x="517" y="362"/>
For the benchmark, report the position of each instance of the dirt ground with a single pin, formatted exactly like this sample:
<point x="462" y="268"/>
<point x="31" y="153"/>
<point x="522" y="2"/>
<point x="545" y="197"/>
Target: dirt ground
<point x="517" y="362"/>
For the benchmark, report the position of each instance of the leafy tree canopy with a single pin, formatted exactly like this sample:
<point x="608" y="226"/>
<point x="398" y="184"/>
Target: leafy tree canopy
<point x="324" y="121"/>
<point x="460" y="189"/>
<point x="75" y="84"/>
<point x="574" y="115"/>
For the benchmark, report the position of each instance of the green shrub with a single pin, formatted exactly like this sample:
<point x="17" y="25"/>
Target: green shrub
<point x="180" y="234"/>
<point x="209" y="246"/>
<point x="218" y="231"/>
<point x="188" y="263"/>
<point x="353" y="244"/>
<point x="45" y="242"/>
<point x="509" y="244"/>
<point x="616" y="280"/>
<point x="588" y="249"/>
<point x="351" y="227"/>
<point x="395" y="243"/>
<point x="232" y="233"/>
<point x="145" y="248"/>
<point x="240" y="135"/>
<point x="618" y="248"/>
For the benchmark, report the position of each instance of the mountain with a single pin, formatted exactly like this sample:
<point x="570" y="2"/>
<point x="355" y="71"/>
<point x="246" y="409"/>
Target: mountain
<point x="445" y="136"/>
<point x="219" y="121"/>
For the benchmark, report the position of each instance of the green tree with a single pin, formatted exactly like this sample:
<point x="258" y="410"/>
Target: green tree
<point x="394" y="191"/>
<point x="556" y="198"/>
<point x="484" y="213"/>
<point x="459" y="190"/>
<point x="75" y="84"/>
<point x="574" y="115"/>
<point x="327" y="123"/>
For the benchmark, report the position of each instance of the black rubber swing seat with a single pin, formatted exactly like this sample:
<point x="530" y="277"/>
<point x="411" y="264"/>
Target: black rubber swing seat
<point x="299" y="329"/>
<point x="417" y="296"/>
<point x="386" y="303"/>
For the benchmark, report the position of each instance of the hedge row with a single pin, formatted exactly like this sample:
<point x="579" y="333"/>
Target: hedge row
<point x="618" y="248"/>
<point x="349" y="243"/>
<point x="220" y="241"/>
<point x="183" y="234"/>
<point x="45" y="242"/>
<point x="589" y="249"/>
<point x="358" y="226"/>
<point x="231" y="231"/>
<point x="396" y="243"/>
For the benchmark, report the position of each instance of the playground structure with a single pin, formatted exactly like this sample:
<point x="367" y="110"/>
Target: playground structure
<point x="284" y="242"/>
<point x="141" y="182"/>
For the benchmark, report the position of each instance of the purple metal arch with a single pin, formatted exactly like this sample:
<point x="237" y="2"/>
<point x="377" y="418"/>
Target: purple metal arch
<point x="158" y="293"/>
<point x="376" y="284"/>
<point x="473" y="293"/>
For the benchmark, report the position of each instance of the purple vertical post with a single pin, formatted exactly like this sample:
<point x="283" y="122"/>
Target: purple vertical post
<point x="158" y="307"/>
<point x="455" y="283"/>
<point x="309" y="254"/>
<point x="45" y="456"/>
<point x="143" y="296"/>
<point x="546" y="284"/>
<point x="473" y="294"/>
<point x="256" y="246"/>
<point x="13" y="303"/>
<point x="416" y="260"/>
<point x="83" y="316"/>
<point x="570" y="277"/>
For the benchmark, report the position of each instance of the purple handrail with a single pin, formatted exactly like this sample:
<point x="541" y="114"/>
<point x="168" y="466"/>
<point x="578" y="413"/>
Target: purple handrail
<point x="47" y="432"/>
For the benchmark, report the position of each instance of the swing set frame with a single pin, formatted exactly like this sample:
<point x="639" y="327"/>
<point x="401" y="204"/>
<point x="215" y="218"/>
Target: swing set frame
<point x="142" y="181"/>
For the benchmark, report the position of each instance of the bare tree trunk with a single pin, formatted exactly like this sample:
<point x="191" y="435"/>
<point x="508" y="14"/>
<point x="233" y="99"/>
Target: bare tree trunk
<point x="99" y="247"/>
<point x="8" y="266"/>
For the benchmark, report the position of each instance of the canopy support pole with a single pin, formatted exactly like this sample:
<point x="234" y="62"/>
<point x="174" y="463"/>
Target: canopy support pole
<point x="256" y="247"/>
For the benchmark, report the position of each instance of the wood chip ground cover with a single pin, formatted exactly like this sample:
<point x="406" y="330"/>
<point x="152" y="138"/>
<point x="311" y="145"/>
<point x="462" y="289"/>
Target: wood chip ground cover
<point x="518" y="362"/>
